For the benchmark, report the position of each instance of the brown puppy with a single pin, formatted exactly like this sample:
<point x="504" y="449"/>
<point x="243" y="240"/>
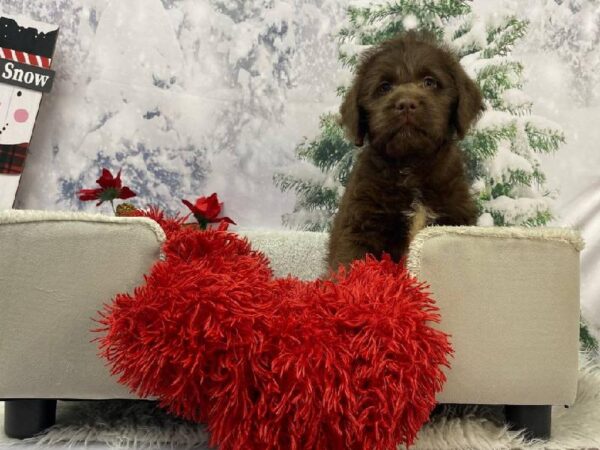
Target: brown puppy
<point x="411" y="101"/>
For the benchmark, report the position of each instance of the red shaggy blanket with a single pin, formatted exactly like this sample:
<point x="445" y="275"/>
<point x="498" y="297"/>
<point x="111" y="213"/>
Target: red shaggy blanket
<point x="350" y="362"/>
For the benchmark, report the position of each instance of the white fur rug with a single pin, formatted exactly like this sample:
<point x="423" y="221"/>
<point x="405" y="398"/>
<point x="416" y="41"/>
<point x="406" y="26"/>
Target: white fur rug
<point x="126" y="424"/>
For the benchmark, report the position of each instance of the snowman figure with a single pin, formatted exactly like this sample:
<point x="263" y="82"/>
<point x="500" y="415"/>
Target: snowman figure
<point x="24" y="43"/>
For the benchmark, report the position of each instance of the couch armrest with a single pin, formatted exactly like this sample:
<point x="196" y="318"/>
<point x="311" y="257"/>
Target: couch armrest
<point x="56" y="271"/>
<point x="509" y="298"/>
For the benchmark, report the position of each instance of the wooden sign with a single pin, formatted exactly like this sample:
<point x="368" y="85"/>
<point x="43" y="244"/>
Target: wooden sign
<point x="26" y="50"/>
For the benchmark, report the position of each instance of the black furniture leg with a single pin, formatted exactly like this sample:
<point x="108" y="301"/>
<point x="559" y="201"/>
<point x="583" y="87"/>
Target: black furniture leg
<point x="25" y="418"/>
<point x="534" y="419"/>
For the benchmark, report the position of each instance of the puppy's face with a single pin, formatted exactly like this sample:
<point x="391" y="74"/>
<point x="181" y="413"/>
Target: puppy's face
<point x="409" y="97"/>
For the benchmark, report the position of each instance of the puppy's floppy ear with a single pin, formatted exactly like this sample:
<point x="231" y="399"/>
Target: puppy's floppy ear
<point x="469" y="104"/>
<point x="353" y="117"/>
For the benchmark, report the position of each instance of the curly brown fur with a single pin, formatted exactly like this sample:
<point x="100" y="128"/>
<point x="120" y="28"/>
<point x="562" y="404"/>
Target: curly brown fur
<point x="411" y="102"/>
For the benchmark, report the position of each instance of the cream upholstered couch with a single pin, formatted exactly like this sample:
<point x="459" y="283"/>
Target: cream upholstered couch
<point x="509" y="298"/>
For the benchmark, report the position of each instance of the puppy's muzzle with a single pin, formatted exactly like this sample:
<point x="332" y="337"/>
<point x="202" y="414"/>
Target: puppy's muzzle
<point x="406" y="105"/>
<point x="406" y="108"/>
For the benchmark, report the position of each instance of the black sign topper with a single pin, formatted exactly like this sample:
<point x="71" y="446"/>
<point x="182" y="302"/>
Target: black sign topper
<point x="26" y="76"/>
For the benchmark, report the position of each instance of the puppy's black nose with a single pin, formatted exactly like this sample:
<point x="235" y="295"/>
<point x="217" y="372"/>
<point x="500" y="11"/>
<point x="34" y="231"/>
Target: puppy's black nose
<point x="406" y="105"/>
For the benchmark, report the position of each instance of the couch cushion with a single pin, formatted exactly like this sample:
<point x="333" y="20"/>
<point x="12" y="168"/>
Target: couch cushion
<point x="299" y="253"/>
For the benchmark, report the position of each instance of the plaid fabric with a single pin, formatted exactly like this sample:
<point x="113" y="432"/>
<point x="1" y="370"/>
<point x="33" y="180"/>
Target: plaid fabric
<point x="12" y="158"/>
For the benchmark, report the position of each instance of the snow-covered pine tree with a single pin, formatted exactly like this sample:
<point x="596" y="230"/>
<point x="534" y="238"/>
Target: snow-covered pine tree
<point x="239" y="48"/>
<point x="571" y="28"/>
<point x="500" y="151"/>
<point x="136" y="126"/>
<point x="257" y="53"/>
<point x="259" y="49"/>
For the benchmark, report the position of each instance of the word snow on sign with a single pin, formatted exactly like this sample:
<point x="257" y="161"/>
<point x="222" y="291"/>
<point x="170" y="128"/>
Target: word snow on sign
<point x="26" y="49"/>
<point x="23" y="75"/>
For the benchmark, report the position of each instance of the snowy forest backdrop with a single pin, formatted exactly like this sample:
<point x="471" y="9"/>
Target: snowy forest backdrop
<point x="190" y="97"/>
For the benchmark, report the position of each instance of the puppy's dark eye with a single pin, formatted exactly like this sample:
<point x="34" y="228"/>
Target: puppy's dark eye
<point x="384" y="87"/>
<point x="430" y="82"/>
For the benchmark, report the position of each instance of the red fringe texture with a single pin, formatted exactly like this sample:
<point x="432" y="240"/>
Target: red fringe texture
<point x="350" y="362"/>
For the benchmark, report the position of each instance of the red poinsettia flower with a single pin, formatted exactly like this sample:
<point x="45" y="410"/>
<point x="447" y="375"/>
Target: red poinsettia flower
<point x="206" y="210"/>
<point x="110" y="189"/>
